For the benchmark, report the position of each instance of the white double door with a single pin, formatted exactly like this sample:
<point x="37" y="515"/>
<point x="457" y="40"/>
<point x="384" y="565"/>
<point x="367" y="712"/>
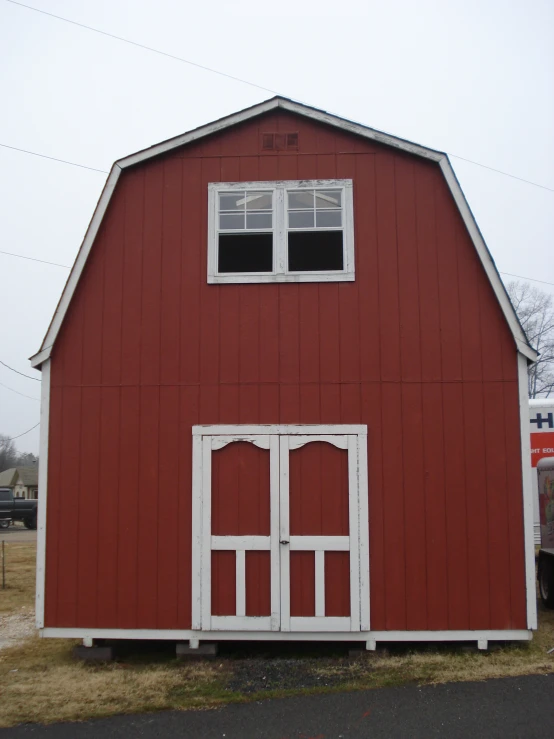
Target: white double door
<point x="280" y="528"/>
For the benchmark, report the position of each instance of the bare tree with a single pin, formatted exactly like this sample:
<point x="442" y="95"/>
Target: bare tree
<point x="8" y="453"/>
<point x="10" y="457"/>
<point x="535" y="310"/>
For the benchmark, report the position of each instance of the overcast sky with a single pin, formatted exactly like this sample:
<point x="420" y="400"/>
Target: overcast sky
<point x="474" y="78"/>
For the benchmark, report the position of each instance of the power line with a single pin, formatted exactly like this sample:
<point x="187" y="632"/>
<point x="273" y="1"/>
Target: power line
<point x="104" y="171"/>
<point x="507" y="174"/>
<point x="220" y="73"/>
<point x="148" y="48"/>
<point x="32" y="259"/>
<point x="18" y="393"/>
<point x="54" y="159"/>
<point x="18" y="372"/>
<point x="25" y="432"/>
<point x="531" y="279"/>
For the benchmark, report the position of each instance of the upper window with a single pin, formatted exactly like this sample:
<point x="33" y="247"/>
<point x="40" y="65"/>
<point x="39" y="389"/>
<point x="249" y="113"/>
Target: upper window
<point x="293" y="231"/>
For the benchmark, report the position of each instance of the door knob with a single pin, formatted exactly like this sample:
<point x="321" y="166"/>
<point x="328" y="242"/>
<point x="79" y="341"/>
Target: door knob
<point x="283" y="541"/>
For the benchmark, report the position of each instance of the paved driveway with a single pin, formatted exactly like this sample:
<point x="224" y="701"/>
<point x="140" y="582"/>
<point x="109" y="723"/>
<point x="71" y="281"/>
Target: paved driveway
<point x="511" y="707"/>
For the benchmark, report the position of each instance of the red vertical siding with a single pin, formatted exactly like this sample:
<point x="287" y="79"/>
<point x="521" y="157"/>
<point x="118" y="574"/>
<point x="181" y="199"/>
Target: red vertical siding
<point x="416" y="348"/>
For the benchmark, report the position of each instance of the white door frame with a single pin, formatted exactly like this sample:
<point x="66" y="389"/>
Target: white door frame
<point x="279" y="439"/>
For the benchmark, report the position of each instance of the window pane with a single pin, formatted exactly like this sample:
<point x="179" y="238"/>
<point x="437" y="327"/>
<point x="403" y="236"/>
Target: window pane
<point x="259" y="200"/>
<point x="328" y="218"/>
<point x="302" y="199"/>
<point x="258" y="220"/>
<point x="301" y="219"/>
<point x="231" y="200"/>
<point x="328" y="199"/>
<point x="314" y="251"/>
<point x="245" y="253"/>
<point x="231" y="221"/>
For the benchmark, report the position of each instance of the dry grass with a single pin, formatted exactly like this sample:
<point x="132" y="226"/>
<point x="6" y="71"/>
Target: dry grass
<point x="42" y="682"/>
<point x="453" y="663"/>
<point x="20" y="577"/>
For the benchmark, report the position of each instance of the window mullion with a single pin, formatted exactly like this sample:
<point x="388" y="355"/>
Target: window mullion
<point x="280" y="232"/>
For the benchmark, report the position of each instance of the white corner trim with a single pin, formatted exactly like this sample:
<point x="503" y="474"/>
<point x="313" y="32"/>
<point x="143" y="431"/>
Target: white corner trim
<point x="349" y="636"/>
<point x="527" y="494"/>
<point x="38" y="359"/>
<point x="486" y="259"/>
<point x="77" y="269"/>
<point x="42" y="494"/>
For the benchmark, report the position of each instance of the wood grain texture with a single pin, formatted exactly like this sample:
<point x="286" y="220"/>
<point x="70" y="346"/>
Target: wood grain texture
<point x="416" y="348"/>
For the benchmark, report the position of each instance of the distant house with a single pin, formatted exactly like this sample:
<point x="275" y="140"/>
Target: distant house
<point x="22" y="480"/>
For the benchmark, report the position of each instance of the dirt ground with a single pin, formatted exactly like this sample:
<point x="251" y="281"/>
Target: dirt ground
<point x="16" y="628"/>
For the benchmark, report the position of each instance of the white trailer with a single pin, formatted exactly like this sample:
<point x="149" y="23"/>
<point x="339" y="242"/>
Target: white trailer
<point x="541" y="422"/>
<point x="545" y="480"/>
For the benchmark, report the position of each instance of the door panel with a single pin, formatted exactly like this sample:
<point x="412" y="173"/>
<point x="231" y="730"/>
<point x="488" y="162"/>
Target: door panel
<point x="318" y="490"/>
<point x="223" y="584"/>
<point x="302" y="584"/>
<point x="318" y="499"/>
<point x="258" y="584"/>
<point x="239" y="482"/>
<point x="337" y="583"/>
<point x="240" y="490"/>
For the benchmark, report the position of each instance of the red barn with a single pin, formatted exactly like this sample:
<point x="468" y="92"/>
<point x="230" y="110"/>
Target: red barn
<point x="284" y="397"/>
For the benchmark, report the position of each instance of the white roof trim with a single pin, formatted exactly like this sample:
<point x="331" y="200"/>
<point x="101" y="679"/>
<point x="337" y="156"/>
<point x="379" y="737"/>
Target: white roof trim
<point x="77" y="269"/>
<point x="308" y="112"/>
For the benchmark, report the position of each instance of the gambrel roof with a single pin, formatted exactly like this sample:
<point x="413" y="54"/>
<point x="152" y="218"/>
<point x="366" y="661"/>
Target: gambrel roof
<point x="317" y="115"/>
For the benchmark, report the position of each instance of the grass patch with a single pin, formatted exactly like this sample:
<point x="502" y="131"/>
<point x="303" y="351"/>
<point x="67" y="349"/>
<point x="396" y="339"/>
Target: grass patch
<point x="41" y="682"/>
<point x="20" y="577"/>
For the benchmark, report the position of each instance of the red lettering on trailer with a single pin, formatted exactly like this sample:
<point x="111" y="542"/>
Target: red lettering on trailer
<point x="539" y="448"/>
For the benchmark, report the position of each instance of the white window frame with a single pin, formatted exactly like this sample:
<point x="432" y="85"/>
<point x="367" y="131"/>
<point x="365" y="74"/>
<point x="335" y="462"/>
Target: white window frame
<point x="280" y="271"/>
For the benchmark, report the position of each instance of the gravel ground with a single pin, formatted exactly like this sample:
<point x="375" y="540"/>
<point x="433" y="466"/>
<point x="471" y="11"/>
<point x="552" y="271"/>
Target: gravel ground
<point x="255" y="675"/>
<point x="16" y="628"/>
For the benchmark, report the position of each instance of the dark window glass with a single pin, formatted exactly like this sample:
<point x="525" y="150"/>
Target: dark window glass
<point x="5" y="495"/>
<point x="245" y="252"/>
<point x="313" y="251"/>
<point x="292" y="140"/>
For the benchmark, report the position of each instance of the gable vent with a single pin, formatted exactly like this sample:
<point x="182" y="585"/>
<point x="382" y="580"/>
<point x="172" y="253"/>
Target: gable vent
<point x="279" y="141"/>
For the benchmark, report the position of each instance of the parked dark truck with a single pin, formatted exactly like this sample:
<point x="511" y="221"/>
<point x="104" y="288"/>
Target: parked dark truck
<point x="17" y="509"/>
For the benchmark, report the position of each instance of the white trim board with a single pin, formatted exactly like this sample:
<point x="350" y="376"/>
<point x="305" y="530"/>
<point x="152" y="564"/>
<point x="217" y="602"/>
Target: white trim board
<point x="527" y="496"/>
<point x="43" y="493"/>
<point x="241" y="433"/>
<point x="349" y="636"/>
<point x="307" y="112"/>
